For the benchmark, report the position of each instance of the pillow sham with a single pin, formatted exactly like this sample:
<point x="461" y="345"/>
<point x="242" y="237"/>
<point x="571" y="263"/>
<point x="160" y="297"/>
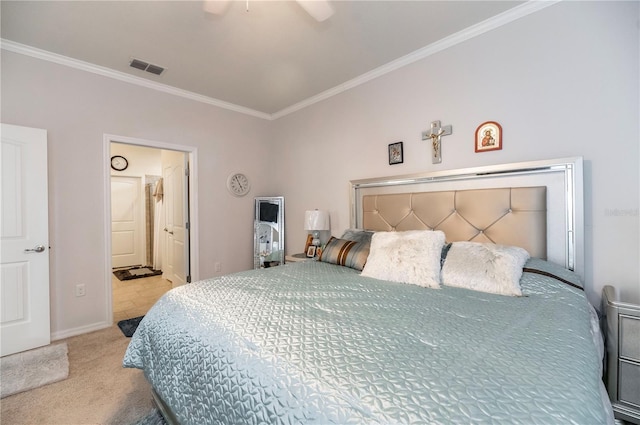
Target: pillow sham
<point x="357" y="235"/>
<point x="484" y="267"/>
<point x="345" y="253"/>
<point x="408" y="257"/>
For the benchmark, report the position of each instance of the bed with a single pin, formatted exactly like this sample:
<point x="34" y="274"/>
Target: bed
<point x="338" y="341"/>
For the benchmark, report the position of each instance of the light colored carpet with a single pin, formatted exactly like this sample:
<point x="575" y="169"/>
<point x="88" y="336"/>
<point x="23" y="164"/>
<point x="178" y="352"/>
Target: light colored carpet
<point x="98" y="390"/>
<point x="32" y="369"/>
<point x="153" y="418"/>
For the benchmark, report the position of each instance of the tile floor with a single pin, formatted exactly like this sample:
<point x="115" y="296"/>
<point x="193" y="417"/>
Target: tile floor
<point x="133" y="298"/>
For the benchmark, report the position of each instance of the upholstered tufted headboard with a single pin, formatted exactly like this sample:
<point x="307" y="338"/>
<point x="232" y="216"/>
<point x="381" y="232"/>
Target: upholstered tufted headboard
<point x="508" y="216"/>
<point x="536" y="205"/>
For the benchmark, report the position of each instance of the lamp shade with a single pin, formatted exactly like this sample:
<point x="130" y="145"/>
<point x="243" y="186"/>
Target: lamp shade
<point x="316" y="220"/>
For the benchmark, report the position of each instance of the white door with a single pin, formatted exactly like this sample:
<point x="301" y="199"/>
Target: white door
<point x="127" y="239"/>
<point x="175" y="201"/>
<point x="24" y="270"/>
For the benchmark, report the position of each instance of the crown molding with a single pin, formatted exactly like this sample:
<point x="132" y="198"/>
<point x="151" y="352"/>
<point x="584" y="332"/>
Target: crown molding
<point x="480" y="28"/>
<point x="34" y="52"/>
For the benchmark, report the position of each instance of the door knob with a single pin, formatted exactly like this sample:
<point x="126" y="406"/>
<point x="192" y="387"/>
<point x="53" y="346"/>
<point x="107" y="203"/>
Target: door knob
<point x="39" y="248"/>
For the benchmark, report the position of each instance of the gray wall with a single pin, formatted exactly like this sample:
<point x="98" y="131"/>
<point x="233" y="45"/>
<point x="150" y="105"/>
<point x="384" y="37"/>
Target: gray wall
<point x="562" y="82"/>
<point x="78" y="109"/>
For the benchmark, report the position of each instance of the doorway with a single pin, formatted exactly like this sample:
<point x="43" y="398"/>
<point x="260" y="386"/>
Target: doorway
<point x="150" y="205"/>
<point x="128" y="214"/>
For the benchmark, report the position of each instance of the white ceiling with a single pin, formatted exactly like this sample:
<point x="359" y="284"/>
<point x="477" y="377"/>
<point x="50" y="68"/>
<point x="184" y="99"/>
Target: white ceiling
<point x="267" y="59"/>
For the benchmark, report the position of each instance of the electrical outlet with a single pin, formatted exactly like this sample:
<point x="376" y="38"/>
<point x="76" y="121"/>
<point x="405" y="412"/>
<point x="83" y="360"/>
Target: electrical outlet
<point x="81" y="290"/>
<point x="217" y="266"/>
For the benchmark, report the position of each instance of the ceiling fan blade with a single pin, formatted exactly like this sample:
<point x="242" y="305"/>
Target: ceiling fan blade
<point x="217" y="7"/>
<point x="320" y="10"/>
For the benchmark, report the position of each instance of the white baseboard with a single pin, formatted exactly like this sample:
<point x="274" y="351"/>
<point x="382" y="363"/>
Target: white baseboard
<point x="79" y="331"/>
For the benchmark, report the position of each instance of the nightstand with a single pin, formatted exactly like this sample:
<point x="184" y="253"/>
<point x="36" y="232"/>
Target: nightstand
<point x="623" y="356"/>
<point x="297" y="257"/>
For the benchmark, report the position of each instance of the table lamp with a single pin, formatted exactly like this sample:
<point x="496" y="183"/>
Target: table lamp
<point x="316" y="221"/>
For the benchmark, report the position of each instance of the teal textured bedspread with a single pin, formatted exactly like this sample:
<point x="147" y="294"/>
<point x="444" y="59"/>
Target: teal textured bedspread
<point x="317" y="343"/>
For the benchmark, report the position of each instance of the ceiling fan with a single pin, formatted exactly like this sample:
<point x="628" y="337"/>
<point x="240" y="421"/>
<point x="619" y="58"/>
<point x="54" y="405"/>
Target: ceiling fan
<point x="320" y="10"/>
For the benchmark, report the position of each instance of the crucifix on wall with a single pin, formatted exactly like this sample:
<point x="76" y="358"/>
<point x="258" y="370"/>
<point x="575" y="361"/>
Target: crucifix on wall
<point x="435" y="134"/>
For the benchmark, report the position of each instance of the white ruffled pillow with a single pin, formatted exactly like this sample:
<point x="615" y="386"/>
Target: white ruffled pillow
<point x="485" y="267"/>
<point x="407" y="257"/>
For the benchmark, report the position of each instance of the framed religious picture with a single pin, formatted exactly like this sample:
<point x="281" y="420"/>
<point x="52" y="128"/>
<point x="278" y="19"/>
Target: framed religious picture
<point x="488" y="137"/>
<point x="395" y="153"/>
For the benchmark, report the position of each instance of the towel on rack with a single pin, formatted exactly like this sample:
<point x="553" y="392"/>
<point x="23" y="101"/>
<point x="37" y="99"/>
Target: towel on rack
<point x="159" y="191"/>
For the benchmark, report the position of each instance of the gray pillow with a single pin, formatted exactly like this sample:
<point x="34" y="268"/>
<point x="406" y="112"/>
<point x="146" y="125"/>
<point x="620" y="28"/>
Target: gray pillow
<point x="357" y="235"/>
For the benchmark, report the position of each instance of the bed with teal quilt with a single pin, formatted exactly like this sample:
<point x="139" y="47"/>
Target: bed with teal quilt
<point x="445" y="311"/>
<point x="324" y="343"/>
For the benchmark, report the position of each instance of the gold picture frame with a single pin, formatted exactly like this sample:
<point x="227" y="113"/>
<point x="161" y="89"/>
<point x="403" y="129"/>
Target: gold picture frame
<point x="308" y="242"/>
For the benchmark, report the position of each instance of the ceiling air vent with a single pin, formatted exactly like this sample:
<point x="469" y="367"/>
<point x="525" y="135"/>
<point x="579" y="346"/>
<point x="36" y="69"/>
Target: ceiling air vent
<point x="145" y="66"/>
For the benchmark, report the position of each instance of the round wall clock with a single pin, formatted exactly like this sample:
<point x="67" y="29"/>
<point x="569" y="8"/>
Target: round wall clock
<point x="238" y="184"/>
<point x="119" y="163"/>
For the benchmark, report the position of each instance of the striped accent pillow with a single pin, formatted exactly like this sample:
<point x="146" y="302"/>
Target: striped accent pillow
<point x="345" y="253"/>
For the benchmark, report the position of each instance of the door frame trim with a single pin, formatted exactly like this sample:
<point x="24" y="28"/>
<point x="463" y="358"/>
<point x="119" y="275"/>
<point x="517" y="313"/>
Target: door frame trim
<point x="192" y="151"/>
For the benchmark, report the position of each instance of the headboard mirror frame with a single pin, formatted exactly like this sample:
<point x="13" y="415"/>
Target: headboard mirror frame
<point x="563" y="179"/>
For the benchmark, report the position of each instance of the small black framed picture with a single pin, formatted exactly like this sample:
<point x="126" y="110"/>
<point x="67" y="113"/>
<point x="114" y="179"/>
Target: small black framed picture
<point x="395" y="153"/>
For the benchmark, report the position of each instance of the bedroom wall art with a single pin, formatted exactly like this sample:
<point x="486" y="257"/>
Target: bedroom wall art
<point x="435" y="134"/>
<point x="488" y="137"/>
<point x="396" y="153"/>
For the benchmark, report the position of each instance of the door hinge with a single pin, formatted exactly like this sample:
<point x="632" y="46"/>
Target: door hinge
<point x="187" y="226"/>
